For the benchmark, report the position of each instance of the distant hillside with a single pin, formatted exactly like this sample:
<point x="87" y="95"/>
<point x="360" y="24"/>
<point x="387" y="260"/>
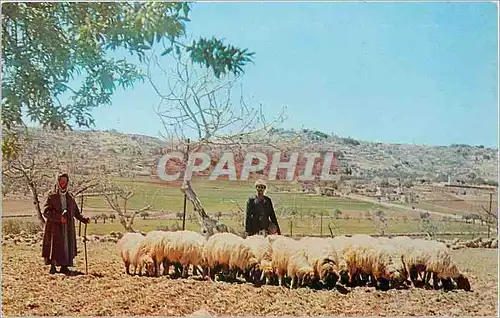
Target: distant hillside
<point x="130" y="155"/>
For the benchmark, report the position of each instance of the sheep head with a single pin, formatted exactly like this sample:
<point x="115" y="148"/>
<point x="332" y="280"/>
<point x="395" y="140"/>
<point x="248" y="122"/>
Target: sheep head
<point x="267" y="271"/>
<point x="329" y="274"/>
<point x="463" y="282"/>
<point x="252" y="262"/>
<point x="306" y="275"/>
<point x="149" y="264"/>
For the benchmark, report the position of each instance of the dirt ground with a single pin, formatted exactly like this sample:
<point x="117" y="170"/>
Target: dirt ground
<point x="30" y="290"/>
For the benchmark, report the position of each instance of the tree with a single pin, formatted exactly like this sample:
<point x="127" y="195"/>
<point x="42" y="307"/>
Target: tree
<point x="427" y="225"/>
<point x="195" y="102"/>
<point x="104" y="217"/>
<point x="336" y="213"/>
<point x="114" y="193"/>
<point x="144" y="214"/>
<point x="46" y="44"/>
<point x="191" y="98"/>
<point x="96" y="218"/>
<point x="380" y="221"/>
<point x="34" y="166"/>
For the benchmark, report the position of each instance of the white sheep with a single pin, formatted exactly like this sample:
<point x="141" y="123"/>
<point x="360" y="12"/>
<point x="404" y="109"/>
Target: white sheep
<point x="263" y="251"/>
<point x="283" y="249"/>
<point x="129" y="248"/>
<point x="323" y="258"/>
<point x="228" y="251"/>
<point x="340" y="244"/>
<point x="152" y="245"/>
<point x="442" y="267"/>
<point x="183" y="247"/>
<point x="367" y="256"/>
<point x="299" y="269"/>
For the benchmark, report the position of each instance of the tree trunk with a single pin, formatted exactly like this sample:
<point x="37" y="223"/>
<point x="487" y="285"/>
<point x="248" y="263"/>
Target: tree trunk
<point x="208" y="225"/>
<point x="36" y="202"/>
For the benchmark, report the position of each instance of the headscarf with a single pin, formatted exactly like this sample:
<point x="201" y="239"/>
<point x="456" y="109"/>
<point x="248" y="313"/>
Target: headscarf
<point x="57" y="187"/>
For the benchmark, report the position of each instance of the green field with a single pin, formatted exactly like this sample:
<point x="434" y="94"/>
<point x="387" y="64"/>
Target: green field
<point x="297" y="212"/>
<point x="305" y="226"/>
<point x="219" y="196"/>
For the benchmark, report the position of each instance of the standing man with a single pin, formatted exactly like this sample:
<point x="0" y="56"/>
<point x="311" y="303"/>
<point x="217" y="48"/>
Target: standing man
<point x="260" y="216"/>
<point x="59" y="239"/>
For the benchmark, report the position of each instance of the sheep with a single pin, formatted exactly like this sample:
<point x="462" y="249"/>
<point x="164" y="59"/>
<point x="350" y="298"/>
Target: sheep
<point x="283" y="250"/>
<point x="299" y="269"/>
<point x="323" y="258"/>
<point x="130" y="251"/>
<point x="443" y="268"/>
<point x="152" y="245"/>
<point x="183" y="247"/>
<point x="367" y="256"/>
<point x="229" y="251"/>
<point x="263" y="251"/>
<point x="340" y="244"/>
<point x="434" y="259"/>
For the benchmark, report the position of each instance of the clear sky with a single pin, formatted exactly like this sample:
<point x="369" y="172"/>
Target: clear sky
<point x="424" y="73"/>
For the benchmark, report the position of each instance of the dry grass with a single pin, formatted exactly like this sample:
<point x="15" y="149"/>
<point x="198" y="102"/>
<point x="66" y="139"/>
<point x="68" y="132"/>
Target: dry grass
<point x="30" y="290"/>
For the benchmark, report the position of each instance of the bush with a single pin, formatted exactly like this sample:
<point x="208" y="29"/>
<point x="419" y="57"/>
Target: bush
<point x="16" y="226"/>
<point x="174" y="227"/>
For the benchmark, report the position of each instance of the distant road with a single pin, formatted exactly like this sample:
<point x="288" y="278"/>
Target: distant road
<point x="402" y="207"/>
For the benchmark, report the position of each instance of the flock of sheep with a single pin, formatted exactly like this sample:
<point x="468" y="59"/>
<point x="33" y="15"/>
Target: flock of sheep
<point x="315" y="262"/>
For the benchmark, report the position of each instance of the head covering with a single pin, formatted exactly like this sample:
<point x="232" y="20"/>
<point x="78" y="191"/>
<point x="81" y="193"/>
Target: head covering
<point x="260" y="182"/>
<point x="57" y="186"/>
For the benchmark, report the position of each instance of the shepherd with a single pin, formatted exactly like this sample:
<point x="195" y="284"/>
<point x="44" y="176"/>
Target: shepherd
<point x="260" y="215"/>
<point x="59" y="239"/>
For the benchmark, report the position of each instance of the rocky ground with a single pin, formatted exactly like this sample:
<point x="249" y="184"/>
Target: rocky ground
<point x="30" y="290"/>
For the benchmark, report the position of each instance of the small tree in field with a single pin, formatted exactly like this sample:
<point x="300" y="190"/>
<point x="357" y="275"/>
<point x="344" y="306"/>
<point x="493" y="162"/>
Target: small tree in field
<point x="179" y="215"/>
<point x="427" y="225"/>
<point x="104" y="217"/>
<point x="96" y="218"/>
<point x="114" y="193"/>
<point x="380" y="222"/>
<point x="337" y="213"/>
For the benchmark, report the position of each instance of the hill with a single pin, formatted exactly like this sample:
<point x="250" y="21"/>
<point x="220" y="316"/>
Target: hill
<point x="132" y="155"/>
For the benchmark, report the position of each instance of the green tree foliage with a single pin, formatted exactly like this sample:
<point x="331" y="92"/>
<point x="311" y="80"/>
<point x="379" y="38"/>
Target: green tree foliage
<point x="47" y="45"/>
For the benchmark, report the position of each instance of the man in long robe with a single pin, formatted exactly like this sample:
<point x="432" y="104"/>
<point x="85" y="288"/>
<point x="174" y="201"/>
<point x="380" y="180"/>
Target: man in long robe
<point x="59" y="240"/>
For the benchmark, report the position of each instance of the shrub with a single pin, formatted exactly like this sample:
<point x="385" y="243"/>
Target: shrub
<point x="15" y="226"/>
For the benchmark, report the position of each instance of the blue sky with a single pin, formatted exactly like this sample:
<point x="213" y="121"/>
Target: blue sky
<point x="423" y="73"/>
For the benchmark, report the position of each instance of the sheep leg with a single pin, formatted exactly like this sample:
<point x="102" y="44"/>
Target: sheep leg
<point x="280" y="278"/>
<point x="447" y="284"/>
<point x="127" y="267"/>
<point x="373" y="281"/>
<point x="185" y="271"/>
<point x="212" y="273"/>
<point x="293" y="282"/>
<point x="413" y="273"/>
<point x="166" y="266"/>
<point x="140" y="270"/>
<point x="383" y="284"/>
<point x="435" y="280"/>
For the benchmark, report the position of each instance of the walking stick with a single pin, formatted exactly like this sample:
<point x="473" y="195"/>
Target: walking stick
<point x="85" y="246"/>
<point x="80" y="222"/>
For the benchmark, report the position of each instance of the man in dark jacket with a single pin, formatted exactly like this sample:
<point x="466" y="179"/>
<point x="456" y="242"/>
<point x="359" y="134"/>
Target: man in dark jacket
<point x="59" y="240"/>
<point x="260" y="216"/>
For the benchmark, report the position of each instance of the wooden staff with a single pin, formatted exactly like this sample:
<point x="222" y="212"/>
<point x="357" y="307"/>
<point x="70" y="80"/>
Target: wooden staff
<point x="79" y="222"/>
<point x="85" y="245"/>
